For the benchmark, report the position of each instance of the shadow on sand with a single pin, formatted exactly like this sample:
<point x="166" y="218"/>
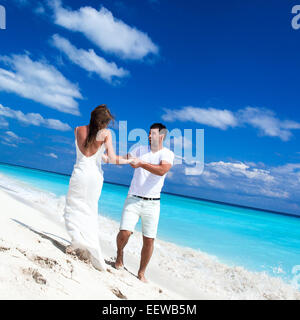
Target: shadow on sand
<point x="61" y="246"/>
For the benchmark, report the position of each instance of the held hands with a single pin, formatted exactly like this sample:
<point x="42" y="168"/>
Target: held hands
<point x="134" y="162"/>
<point x="122" y="160"/>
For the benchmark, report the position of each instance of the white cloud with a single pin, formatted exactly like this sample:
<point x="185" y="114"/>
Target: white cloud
<point x="89" y="60"/>
<point x="9" y="144"/>
<point x="245" y="179"/>
<point x="289" y="168"/>
<point x="3" y="122"/>
<point x="11" y="139"/>
<point x="240" y="169"/>
<point x="263" y="119"/>
<point x="34" y="119"/>
<point x="103" y="29"/>
<point x="55" y="124"/>
<point x="12" y="135"/>
<point x="51" y="155"/>
<point x="221" y="119"/>
<point x="39" y="81"/>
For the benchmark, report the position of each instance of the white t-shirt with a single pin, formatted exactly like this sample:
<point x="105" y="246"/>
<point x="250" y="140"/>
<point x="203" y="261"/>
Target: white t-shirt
<point x="145" y="183"/>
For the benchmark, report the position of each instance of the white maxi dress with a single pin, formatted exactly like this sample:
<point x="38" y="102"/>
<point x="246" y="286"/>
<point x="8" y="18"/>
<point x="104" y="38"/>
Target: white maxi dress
<point x="81" y="209"/>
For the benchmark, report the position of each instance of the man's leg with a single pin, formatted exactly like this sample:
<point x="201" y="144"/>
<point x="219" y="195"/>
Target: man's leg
<point x="129" y="219"/>
<point x="122" y="239"/>
<point x="147" y="250"/>
<point x="150" y="217"/>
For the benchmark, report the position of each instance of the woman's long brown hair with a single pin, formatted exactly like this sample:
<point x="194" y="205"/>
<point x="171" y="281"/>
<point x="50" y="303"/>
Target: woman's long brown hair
<point x="100" y="118"/>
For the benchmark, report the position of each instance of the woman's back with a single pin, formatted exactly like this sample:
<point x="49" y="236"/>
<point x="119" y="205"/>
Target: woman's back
<point x="81" y="134"/>
<point x="93" y="154"/>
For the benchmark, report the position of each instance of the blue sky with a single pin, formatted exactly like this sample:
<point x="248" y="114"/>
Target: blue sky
<point x="230" y="68"/>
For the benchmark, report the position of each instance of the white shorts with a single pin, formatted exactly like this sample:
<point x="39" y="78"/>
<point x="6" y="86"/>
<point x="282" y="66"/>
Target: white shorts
<point x="148" y="210"/>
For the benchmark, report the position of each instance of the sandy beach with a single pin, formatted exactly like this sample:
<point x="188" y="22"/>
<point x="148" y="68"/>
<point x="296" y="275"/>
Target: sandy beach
<point x="33" y="264"/>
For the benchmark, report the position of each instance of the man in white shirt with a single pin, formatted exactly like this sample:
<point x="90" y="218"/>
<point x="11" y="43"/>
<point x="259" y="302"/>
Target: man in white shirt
<point x="151" y="164"/>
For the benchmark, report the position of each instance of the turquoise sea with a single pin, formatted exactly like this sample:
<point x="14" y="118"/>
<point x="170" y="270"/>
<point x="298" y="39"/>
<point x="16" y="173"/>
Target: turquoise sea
<point x="254" y="239"/>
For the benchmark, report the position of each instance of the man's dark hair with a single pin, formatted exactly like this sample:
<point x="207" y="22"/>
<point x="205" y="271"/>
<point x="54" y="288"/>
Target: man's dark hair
<point x="162" y="128"/>
<point x="159" y="126"/>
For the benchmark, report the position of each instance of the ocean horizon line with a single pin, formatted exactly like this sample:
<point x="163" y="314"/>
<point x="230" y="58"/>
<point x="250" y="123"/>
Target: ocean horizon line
<point x="170" y="193"/>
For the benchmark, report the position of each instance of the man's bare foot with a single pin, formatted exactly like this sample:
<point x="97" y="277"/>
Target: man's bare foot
<point x="119" y="265"/>
<point x="119" y="261"/>
<point x="141" y="277"/>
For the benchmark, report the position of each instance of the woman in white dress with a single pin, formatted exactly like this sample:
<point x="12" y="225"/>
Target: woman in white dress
<point x="81" y="209"/>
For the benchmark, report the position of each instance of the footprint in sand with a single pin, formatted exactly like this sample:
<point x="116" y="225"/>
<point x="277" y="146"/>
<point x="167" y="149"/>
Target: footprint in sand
<point x="38" y="277"/>
<point x="46" y="262"/>
<point x="118" y="293"/>
<point x="3" y="249"/>
<point x="70" y="265"/>
<point x="52" y="264"/>
<point x="110" y="271"/>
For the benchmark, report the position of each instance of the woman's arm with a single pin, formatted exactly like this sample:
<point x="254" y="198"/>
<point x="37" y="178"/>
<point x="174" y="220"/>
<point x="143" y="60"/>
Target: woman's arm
<point x="111" y="156"/>
<point x="106" y="159"/>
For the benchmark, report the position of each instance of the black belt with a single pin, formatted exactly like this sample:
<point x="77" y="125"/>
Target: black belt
<point x="144" y="198"/>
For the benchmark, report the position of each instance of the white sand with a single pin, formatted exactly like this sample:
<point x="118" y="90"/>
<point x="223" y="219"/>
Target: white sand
<point x="33" y="264"/>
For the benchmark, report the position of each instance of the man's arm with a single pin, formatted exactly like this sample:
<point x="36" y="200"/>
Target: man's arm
<point x="157" y="169"/>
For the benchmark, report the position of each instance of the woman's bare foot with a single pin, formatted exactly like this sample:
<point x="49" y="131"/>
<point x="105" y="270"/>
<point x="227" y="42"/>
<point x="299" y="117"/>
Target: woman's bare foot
<point x="141" y="277"/>
<point x="83" y="255"/>
<point x="70" y="250"/>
